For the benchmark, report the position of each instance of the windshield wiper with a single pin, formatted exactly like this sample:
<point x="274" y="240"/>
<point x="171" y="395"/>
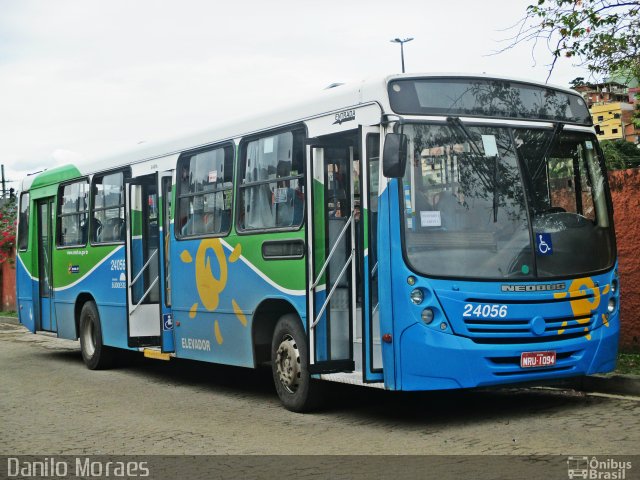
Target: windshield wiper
<point x="456" y="122"/>
<point x="557" y="130"/>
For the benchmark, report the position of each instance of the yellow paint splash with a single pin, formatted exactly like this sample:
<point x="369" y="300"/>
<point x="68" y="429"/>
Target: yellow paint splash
<point x="564" y="324"/>
<point x="239" y="314"/>
<point x="210" y="287"/>
<point x="235" y="255"/>
<point x="605" y="320"/>
<point x="216" y="329"/>
<point x="186" y="257"/>
<point x="193" y="310"/>
<point x="606" y="289"/>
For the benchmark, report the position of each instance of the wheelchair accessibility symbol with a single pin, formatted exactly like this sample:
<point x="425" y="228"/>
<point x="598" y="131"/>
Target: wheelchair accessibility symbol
<point x="167" y="321"/>
<point x="543" y="244"/>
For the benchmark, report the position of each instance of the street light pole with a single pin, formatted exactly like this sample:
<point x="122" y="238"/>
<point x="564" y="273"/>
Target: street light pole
<point x="402" y="42"/>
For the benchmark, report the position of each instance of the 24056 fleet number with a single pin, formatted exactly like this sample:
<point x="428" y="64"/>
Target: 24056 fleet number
<point x="485" y="311"/>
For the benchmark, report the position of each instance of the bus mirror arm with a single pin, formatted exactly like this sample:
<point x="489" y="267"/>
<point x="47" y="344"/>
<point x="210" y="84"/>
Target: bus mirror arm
<point x="394" y="155"/>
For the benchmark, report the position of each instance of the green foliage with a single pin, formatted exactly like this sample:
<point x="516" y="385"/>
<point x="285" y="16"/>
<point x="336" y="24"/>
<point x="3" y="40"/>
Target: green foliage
<point x="603" y="35"/>
<point x="620" y="154"/>
<point x="7" y="231"/>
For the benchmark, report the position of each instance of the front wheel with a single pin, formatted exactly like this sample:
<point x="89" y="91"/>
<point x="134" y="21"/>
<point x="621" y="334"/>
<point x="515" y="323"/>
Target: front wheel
<point x="95" y="355"/>
<point x="289" y="360"/>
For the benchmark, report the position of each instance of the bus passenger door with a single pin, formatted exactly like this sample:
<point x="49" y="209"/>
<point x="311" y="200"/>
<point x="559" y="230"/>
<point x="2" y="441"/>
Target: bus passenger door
<point x="166" y="191"/>
<point x="331" y="270"/>
<point x="45" y="266"/>
<point x="143" y="262"/>
<point x="367" y="238"/>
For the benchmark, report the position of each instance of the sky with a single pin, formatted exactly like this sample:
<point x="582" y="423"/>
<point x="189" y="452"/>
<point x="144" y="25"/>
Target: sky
<point x="80" y="79"/>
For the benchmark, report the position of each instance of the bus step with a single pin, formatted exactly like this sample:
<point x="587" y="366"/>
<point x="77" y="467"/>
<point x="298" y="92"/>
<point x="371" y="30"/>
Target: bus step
<point x="156" y="354"/>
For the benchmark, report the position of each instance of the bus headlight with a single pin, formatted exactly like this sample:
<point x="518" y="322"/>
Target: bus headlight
<point x="417" y="296"/>
<point x="427" y="315"/>
<point x="614" y="286"/>
<point x="612" y="305"/>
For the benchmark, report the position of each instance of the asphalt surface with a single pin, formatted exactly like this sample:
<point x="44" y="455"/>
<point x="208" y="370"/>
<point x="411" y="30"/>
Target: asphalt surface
<point x="52" y="404"/>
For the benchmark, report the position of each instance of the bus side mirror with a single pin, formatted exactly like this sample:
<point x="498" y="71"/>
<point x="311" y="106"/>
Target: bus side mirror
<point x="394" y="155"/>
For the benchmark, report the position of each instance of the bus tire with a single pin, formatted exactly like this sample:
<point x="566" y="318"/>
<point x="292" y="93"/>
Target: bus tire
<point x="289" y="361"/>
<point x="96" y="356"/>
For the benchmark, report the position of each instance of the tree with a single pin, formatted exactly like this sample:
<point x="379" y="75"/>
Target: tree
<point x="603" y="35"/>
<point x="7" y="231"/>
<point x="620" y="154"/>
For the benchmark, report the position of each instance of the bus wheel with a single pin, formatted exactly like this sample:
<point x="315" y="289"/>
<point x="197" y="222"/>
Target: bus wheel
<point x="289" y="360"/>
<point x="95" y="355"/>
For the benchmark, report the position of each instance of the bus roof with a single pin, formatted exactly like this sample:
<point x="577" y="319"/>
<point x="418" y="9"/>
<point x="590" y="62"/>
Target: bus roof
<point x="337" y="97"/>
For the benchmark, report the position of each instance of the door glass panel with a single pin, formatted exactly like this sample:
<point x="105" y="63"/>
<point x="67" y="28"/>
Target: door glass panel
<point x="373" y="161"/>
<point x="144" y="244"/>
<point x="45" y="248"/>
<point x="338" y="211"/>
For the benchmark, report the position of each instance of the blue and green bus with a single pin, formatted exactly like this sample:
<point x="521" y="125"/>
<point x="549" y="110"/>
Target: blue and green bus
<point x="416" y="232"/>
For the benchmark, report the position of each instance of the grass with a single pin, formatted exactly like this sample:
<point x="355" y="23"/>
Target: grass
<point x="628" y="363"/>
<point x="10" y="313"/>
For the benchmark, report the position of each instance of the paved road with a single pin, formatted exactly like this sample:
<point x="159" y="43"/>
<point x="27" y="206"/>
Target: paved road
<point x="50" y="404"/>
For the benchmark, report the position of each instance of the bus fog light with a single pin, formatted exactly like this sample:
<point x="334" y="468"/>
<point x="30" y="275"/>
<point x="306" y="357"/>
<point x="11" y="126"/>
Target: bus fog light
<point x="411" y="280"/>
<point x="614" y="286"/>
<point x="443" y="326"/>
<point x="612" y="305"/>
<point x="417" y="296"/>
<point x="427" y="316"/>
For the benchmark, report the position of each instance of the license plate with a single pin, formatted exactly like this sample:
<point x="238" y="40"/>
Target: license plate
<point x="537" y="359"/>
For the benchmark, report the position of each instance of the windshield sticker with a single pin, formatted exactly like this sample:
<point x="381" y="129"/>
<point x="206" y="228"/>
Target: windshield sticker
<point x="490" y="145"/>
<point x="589" y="145"/>
<point x="430" y="218"/>
<point x="268" y="145"/>
<point x="543" y="244"/>
<point x="280" y="195"/>
<point x="213" y="176"/>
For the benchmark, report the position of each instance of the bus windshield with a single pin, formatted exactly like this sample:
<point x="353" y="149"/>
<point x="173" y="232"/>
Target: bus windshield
<point x="491" y="202"/>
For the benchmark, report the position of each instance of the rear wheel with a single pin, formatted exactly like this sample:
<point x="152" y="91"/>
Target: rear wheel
<point x="95" y="355"/>
<point x="289" y="360"/>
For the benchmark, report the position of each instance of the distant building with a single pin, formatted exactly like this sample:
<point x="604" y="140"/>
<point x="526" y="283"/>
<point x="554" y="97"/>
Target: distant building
<point x="606" y="92"/>
<point x="615" y="121"/>
<point x="612" y="106"/>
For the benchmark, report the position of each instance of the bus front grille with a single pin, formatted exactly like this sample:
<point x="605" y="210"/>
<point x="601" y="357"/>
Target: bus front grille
<point x="510" y="331"/>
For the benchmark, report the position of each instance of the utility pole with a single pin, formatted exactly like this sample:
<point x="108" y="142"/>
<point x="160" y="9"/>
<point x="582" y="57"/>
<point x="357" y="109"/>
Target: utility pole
<point x="402" y="42"/>
<point x="4" y="184"/>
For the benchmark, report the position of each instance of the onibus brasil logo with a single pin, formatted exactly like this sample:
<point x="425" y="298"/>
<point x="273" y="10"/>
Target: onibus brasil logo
<point x="595" y="468"/>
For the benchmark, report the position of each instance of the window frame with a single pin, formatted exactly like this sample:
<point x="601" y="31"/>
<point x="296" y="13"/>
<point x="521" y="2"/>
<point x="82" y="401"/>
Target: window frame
<point x="126" y="175"/>
<point x="185" y="156"/>
<point x="60" y="215"/>
<point x="23" y="230"/>
<point x="242" y="170"/>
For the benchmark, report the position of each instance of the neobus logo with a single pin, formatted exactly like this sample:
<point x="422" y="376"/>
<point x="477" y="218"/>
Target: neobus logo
<point x="548" y="287"/>
<point x="346" y="116"/>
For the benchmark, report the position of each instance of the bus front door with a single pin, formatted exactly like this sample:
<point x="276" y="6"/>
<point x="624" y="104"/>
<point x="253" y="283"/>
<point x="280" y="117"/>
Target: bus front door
<point x="331" y="269"/>
<point x="143" y="262"/>
<point x="45" y="267"/>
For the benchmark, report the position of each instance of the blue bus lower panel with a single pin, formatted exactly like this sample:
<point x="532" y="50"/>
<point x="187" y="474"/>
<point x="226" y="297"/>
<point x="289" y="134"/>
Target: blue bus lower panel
<point x="431" y="360"/>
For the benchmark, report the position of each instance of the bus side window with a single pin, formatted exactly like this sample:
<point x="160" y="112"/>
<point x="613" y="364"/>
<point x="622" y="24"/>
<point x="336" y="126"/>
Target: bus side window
<point x="107" y="208"/>
<point x="205" y="193"/>
<point x="73" y="214"/>
<point x="23" y="225"/>
<point x="271" y="189"/>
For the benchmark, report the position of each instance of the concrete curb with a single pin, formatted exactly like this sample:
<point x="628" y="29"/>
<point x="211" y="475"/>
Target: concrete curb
<point x="10" y="320"/>
<point x="612" y="383"/>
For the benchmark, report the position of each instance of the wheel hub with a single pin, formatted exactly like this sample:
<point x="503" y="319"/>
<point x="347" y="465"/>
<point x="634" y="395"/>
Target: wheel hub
<point x="89" y="338"/>
<point x="288" y="363"/>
